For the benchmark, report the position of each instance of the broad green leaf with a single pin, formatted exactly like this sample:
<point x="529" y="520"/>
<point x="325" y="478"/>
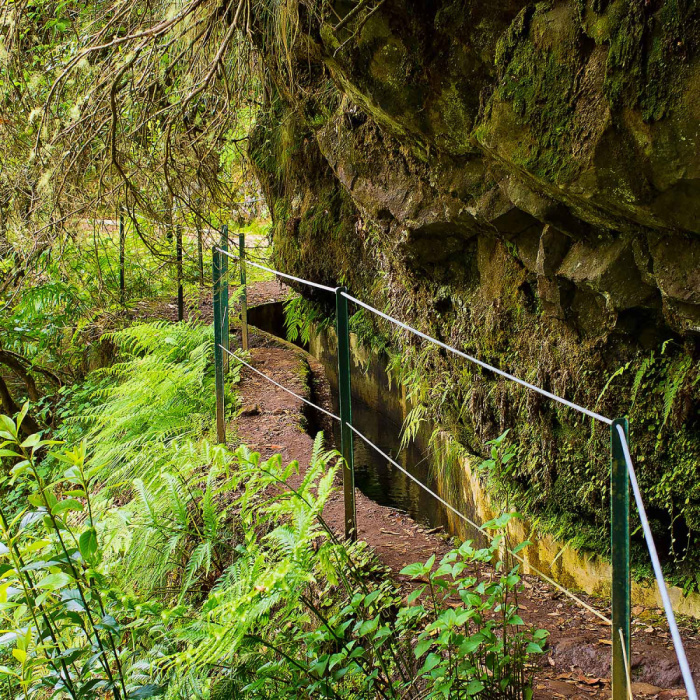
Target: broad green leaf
<point x="53" y="582"/>
<point x="413" y="595"/>
<point x="8" y="425"/>
<point x="108" y="623"/>
<point x="20" y="468"/>
<point x="368" y="626"/>
<point x="413" y="570"/>
<point x="474" y="687"/>
<point x="87" y="544"/>
<point x="422" y="647"/>
<point x="67" y="504"/>
<point x="32" y="441"/>
<point x="147" y="691"/>
<point x="22" y="414"/>
<point x="470" y="645"/>
<point x="431" y="662"/>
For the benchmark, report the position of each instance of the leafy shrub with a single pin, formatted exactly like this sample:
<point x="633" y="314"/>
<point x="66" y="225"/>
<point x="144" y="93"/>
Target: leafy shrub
<point x="53" y="596"/>
<point x="473" y="639"/>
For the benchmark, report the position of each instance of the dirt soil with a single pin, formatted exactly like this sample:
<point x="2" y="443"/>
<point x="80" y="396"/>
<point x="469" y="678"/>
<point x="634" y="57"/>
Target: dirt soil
<point x="577" y="664"/>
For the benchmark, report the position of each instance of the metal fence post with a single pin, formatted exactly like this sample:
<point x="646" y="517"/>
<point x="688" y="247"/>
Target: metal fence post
<point x="180" y="292"/>
<point x="244" y="293"/>
<point x="218" y="352"/>
<point x="346" y="436"/>
<point x="224" y="295"/>
<point x="200" y="252"/>
<point x="620" y="548"/>
<point x="122" y="259"/>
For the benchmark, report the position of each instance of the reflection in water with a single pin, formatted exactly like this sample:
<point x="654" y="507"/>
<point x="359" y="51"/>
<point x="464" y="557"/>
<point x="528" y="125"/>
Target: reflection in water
<point x="374" y="476"/>
<point x="381" y="481"/>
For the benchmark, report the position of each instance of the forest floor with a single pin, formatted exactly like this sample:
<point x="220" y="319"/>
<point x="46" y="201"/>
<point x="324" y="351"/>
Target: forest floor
<point x="577" y="664"/>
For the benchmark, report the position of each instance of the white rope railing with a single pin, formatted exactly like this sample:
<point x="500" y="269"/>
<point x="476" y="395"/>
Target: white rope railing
<point x="485" y="365"/>
<point x="658" y="573"/>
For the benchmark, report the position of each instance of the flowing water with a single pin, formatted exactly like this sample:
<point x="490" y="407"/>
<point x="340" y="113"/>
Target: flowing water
<point x="381" y="481"/>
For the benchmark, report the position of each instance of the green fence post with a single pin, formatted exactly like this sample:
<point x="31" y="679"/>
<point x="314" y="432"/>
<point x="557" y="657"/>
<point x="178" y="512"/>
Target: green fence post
<point x="224" y="295"/>
<point x="218" y="352"/>
<point x="244" y="293"/>
<point x="346" y="436"/>
<point x="122" y="259"/>
<point x="180" y="291"/>
<point x="620" y="547"/>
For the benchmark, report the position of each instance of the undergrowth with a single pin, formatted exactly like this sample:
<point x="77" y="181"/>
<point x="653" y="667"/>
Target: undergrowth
<point x="143" y="560"/>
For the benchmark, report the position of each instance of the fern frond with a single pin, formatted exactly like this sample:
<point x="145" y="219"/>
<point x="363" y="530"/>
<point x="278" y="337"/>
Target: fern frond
<point x="639" y="376"/>
<point x="673" y="385"/>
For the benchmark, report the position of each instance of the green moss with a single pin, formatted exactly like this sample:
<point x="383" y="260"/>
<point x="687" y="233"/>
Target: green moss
<point x="650" y="50"/>
<point x="538" y="83"/>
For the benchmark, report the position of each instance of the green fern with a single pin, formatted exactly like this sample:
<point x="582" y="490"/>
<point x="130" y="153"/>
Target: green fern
<point x="639" y="376"/>
<point x="302" y="318"/>
<point x="673" y="384"/>
<point x="162" y="393"/>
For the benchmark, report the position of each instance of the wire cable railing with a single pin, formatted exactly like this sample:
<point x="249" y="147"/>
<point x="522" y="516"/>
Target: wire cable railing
<point x="658" y="573"/>
<point x="621" y="655"/>
<point x="476" y="361"/>
<point x="427" y="489"/>
<point x="316" y="285"/>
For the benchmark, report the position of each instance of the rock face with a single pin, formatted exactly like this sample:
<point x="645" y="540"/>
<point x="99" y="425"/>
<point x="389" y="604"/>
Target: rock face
<point x="526" y="170"/>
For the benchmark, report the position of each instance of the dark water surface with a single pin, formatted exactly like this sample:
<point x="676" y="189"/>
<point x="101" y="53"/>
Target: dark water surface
<point x="374" y="476"/>
<point x="380" y="480"/>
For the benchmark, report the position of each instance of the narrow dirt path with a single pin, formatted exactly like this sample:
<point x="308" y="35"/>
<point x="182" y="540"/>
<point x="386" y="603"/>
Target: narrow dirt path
<point x="577" y="666"/>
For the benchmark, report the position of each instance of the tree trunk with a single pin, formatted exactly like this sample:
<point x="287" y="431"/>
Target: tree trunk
<point x="10" y="408"/>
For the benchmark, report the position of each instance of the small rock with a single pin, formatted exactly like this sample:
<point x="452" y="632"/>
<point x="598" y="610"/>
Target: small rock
<point x="673" y="693"/>
<point x="253" y="410"/>
<point x="561" y="688"/>
<point x="644" y="689"/>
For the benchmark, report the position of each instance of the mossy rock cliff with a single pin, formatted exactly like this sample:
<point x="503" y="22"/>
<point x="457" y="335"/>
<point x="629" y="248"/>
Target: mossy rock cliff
<point x="521" y="180"/>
